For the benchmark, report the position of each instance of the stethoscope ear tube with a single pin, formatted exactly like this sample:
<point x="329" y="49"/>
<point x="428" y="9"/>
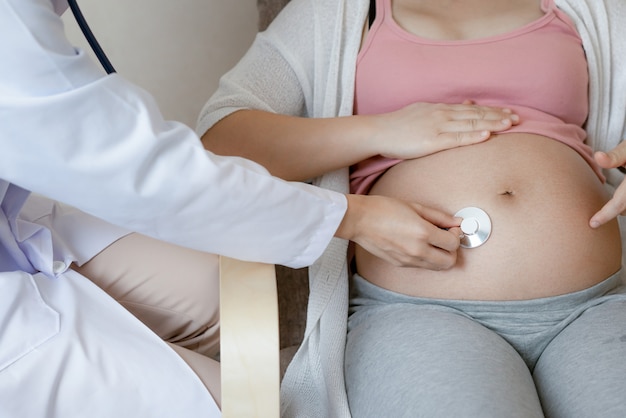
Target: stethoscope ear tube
<point x="84" y="27"/>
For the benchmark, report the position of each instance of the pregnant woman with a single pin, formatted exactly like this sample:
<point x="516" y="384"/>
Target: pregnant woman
<point x="530" y="322"/>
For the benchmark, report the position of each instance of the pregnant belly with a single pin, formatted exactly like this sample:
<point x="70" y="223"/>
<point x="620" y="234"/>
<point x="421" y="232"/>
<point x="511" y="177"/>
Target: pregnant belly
<point x="539" y="194"/>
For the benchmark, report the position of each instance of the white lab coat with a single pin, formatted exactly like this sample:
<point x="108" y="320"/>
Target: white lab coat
<point x="98" y="143"/>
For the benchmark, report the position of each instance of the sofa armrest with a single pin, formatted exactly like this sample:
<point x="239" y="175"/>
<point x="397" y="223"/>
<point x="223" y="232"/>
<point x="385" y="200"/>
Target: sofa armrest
<point x="250" y="371"/>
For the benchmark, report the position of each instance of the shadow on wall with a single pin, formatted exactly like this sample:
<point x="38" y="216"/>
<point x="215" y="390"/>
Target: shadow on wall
<point x="176" y="50"/>
<point x="268" y="9"/>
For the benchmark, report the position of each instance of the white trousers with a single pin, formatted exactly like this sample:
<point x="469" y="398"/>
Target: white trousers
<point x="69" y="349"/>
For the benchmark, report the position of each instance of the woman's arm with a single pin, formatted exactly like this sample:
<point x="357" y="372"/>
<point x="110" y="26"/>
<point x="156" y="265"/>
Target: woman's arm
<point x="290" y="147"/>
<point x="278" y="106"/>
<point x="299" y="148"/>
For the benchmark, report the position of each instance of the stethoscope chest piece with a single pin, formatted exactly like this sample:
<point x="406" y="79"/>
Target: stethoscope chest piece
<point x="476" y="227"/>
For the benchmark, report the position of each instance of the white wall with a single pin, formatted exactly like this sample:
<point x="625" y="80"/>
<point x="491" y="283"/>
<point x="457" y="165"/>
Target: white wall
<point x="175" y="49"/>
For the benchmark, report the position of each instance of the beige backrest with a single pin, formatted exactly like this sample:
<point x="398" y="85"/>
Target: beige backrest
<point x="249" y="340"/>
<point x="252" y="297"/>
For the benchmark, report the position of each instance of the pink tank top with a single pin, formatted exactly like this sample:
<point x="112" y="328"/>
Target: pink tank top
<point x="538" y="70"/>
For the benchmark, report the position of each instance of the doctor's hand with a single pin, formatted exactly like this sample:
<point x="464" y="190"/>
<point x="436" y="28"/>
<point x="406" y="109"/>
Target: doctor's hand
<point x="421" y="129"/>
<point x="402" y="233"/>
<point x="617" y="205"/>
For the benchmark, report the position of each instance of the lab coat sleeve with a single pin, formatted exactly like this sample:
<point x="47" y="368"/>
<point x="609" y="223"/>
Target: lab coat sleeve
<point x="99" y="143"/>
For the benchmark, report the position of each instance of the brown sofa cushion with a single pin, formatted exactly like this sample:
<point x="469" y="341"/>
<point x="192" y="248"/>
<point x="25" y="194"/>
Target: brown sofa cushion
<point x="268" y="9"/>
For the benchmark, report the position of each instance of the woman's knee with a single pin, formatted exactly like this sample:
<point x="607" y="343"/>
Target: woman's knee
<point x="581" y="372"/>
<point x="429" y="362"/>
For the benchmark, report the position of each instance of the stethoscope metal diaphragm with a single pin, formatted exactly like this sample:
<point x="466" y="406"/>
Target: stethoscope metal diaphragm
<point x="476" y="227"/>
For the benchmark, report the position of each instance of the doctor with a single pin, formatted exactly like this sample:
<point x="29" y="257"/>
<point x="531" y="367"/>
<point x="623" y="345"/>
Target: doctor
<point x="99" y="144"/>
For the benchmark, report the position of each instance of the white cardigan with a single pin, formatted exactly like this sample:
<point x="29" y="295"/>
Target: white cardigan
<point x="304" y="64"/>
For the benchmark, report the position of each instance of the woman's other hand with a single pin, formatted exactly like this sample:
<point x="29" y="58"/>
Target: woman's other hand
<point x="402" y="233"/>
<point x="422" y="129"/>
<point x="617" y="205"/>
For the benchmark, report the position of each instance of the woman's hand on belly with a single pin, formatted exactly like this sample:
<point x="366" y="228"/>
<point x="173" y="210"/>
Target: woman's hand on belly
<point x="401" y="233"/>
<point x="421" y="129"/>
<point x="617" y="205"/>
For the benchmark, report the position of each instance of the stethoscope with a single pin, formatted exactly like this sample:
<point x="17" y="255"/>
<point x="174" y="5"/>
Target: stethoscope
<point x="93" y="42"/>
<point x="476" y="224"/>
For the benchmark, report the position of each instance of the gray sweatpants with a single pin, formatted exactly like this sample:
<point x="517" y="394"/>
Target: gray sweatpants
<point x="562" y="356"/>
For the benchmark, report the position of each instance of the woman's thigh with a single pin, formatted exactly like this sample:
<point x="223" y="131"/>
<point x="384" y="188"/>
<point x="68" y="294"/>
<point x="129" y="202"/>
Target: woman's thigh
<point x="582" y="372"/>
<point x="171" y="289"/>
<point x="407" y="360"/>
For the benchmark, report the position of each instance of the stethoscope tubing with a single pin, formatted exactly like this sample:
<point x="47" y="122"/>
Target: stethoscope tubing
<point x="93" y="42"/>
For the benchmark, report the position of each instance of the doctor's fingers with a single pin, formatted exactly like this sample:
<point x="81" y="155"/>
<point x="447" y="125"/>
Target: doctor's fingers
<point x="431" y="257"/>
<point x="434" y="248"/>
<point x="448" y="240"/>
<point x="422" y="245"/>
<point x="441" y="260"/>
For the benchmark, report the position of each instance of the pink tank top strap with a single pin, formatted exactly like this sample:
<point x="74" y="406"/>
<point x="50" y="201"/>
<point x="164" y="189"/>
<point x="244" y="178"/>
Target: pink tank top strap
<point x="547" y="5"/>
<point x="383" y="10"/>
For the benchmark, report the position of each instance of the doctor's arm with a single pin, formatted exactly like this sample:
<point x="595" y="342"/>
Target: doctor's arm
<point x="100" y="144"/>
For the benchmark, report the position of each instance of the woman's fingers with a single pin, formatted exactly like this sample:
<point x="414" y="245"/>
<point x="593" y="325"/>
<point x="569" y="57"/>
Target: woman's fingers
<point x="614" y="158"/>
<point x="471" y="126"/>
<point x="473" y="112"/>
<point x="477" y="125"/>
<point x="421" y="129"/>
<point x="609" y="211"/>
<point x="613" y="208"/>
